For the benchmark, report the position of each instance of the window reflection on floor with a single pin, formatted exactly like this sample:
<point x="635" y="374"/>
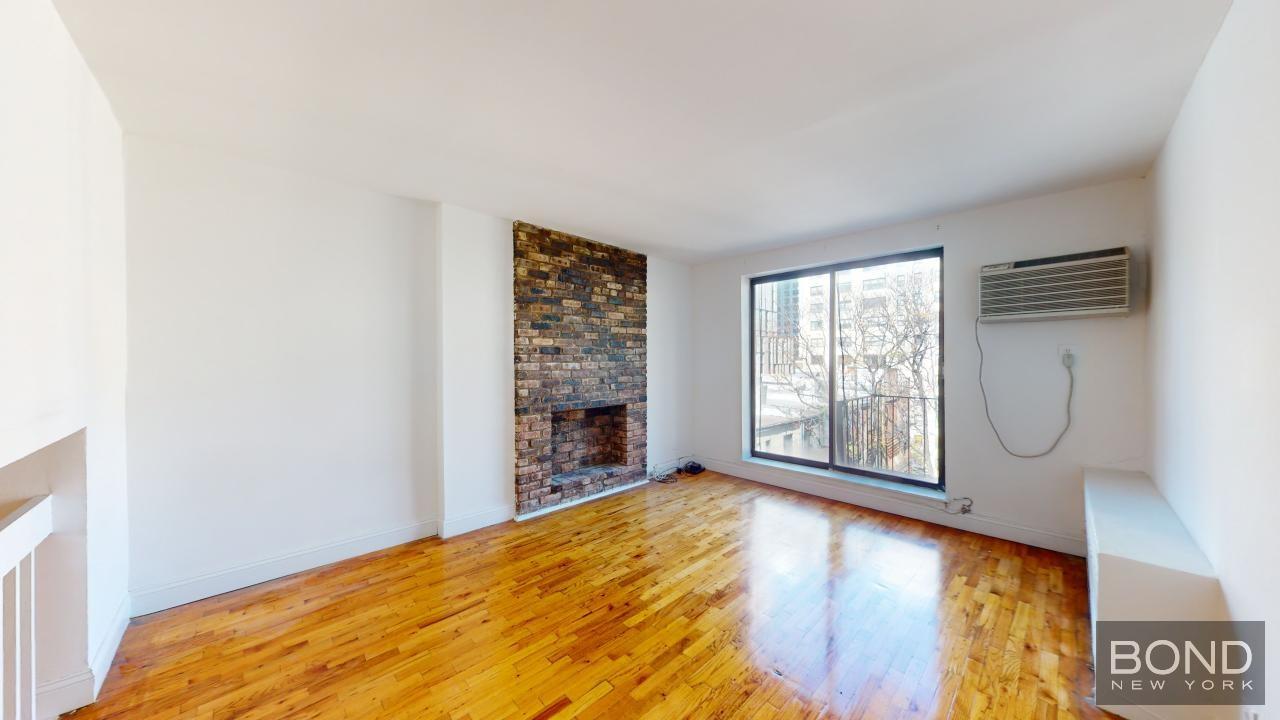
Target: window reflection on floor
<point x="867" y="601"/>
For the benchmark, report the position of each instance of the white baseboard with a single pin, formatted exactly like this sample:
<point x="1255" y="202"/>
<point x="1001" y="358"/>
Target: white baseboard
<point x="897" y="503"/>
<point x="100" y="661"/>
<point x="155" y="598"/>
<point x="63" y="695"/>
<point x="579" y="501"/>
<point x="74" y="691"/>
<point x="452" y="527"/>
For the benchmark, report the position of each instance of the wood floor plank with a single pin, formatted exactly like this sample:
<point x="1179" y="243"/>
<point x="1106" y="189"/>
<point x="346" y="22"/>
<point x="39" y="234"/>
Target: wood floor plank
<point x="713" y="597"/>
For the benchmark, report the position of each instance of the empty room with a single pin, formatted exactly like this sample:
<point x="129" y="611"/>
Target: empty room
<point x="608" y="359"/>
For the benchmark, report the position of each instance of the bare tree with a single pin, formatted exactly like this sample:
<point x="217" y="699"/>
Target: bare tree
<point x="886" y="361"/>
<point x="808" y="377"/>
<point x="890" y="335"/>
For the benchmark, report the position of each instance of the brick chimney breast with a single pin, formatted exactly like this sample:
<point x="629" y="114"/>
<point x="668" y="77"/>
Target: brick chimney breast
<point x="580" y="344"/>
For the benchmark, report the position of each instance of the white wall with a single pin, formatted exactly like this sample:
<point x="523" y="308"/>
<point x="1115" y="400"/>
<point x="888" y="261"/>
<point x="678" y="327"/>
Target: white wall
<point x="477" y="373"/>
<point x="271" y="398"/>
<point x="1034" y="501"/>
<point x="670" y="363"/>
<point x="425" y="359"/>
<point x="477" y="369"/>
<point x="62" y="348"/>
<point x="48" y="96"/>
<point x="107" y="351"/>
<point x="1214" y="335"/>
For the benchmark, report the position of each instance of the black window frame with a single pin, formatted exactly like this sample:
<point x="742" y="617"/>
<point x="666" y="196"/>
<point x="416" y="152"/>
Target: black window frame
<point x="831" y="270"/>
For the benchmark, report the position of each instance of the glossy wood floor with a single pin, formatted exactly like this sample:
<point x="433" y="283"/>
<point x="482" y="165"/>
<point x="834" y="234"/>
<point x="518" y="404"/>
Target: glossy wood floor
<point x="713" y="597"/>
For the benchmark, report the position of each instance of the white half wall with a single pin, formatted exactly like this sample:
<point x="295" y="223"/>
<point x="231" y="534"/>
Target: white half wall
<point x="64" y="677"/>
<point x="1214" y="334"/>
<point x="476" y="370"/>
<point x="272" y="345"/>
<point x="1034" y="501"/>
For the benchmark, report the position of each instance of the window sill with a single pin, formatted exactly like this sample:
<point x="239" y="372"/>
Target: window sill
<point x="851" y="479"/>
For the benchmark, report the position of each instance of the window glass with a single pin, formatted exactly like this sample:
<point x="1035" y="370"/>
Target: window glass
<point x="886" y="398"/>
<point x="792" y="393"/>
<point x="878" y="411"/>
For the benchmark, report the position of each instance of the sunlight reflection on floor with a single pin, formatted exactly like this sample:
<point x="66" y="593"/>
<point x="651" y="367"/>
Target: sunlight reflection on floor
<point x="875" y="608"/>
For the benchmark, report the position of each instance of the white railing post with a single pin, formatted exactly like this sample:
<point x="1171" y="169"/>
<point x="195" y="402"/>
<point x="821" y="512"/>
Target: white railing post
<point x="18" y="649"/>
<point x="21" y="530"/>
<point x="12" y="646"/>
<point x="27" y="635"/>
<point x="5" y="662"/>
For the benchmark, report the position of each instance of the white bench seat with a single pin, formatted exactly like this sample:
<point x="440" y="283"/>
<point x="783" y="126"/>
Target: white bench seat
<point x="1143" y="564"/>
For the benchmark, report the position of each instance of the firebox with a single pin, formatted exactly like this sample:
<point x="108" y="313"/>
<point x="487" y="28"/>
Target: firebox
<point x="592" y="444"/>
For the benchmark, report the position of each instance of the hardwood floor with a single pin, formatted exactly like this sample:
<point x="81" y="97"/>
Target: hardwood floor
<point x="712" y="597"/>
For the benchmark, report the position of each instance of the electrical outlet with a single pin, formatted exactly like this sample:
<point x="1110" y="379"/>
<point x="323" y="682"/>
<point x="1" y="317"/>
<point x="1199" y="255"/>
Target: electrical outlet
<point x="1071" y="349"/>
<point x="1252" y="715"/>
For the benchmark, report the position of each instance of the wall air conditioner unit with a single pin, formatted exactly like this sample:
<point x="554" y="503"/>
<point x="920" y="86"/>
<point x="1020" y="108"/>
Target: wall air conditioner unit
<point x="1066" y="286"/>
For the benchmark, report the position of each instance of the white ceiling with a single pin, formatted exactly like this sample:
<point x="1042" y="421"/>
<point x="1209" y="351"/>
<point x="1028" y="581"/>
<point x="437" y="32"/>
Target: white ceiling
<point x="694" y="128"/>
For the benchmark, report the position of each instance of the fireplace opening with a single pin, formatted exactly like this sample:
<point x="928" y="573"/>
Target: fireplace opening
<point x="588" y="442"/>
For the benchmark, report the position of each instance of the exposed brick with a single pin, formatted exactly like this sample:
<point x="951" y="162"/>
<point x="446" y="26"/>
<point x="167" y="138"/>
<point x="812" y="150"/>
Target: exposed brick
<point x="580" y="345"/>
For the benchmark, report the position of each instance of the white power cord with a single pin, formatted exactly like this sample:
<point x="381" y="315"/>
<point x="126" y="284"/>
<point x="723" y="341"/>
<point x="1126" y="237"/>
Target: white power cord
<point x="1068" y="360"/>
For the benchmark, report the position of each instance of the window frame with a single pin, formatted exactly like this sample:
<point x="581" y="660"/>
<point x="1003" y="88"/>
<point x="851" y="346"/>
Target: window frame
<point x="832" y="315"/>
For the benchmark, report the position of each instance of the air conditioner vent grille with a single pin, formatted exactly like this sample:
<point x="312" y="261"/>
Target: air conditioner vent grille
<point x="1056" y="287"/>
